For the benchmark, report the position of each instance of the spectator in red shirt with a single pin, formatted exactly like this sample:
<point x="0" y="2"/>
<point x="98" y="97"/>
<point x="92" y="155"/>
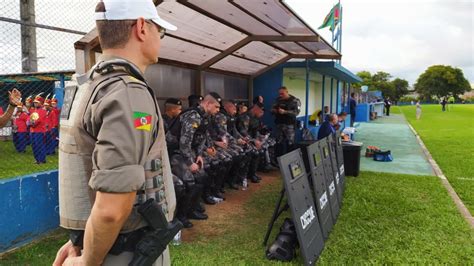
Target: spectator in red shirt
<point x="50" y="121"/>
<point x="55" y="121"/>
<point x="20" y="131"/>
<point x="38" y="124"/>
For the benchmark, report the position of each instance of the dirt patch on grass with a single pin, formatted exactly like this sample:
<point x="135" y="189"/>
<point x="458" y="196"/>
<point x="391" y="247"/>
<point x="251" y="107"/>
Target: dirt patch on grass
<point x="226" y="216"/>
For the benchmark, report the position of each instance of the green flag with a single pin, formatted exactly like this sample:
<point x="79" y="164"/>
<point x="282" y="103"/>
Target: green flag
<point x="331" y="18"/>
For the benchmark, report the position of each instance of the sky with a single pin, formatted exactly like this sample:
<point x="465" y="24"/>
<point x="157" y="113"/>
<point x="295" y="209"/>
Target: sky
<point x="400" y="37"/>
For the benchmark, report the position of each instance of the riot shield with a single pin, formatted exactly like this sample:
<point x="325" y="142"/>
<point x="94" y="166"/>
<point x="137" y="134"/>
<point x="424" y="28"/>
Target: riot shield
<point x="335" y="170"/>
<point x="320" y="189"/>
<point x="340" y="160"/>
<point x="302" y="206"/>
<point x="329" y="178"/>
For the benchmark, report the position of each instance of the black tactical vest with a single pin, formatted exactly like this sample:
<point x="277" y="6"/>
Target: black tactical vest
<point x="288" y="104"/>
<point x="175" y="128"/>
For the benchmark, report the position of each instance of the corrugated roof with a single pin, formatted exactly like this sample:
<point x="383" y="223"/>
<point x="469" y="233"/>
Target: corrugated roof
<point x="243" y="37"/>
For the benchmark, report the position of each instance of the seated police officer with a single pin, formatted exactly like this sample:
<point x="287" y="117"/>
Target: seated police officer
<point x="194" y="100"/>
<point x="232" y="146"/>
<point x="173" y="108"/>
<point x="225" y="144"/>
<point x="248" y="125"/>
<point x="113" y="156"/>
<point x="189" y="134"/>
<point x="229" y="124"/>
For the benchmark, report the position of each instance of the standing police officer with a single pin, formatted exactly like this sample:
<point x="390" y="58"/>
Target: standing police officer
<point x="285" y="110"/>
<point x="113" y="154"/>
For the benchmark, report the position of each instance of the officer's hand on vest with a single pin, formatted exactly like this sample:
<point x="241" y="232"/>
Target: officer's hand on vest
<point x="241" y="141"/>
<point x="200" y="161"/>
<point x="194" y="167"/>
<point x="221" y="144"/>
<point x="281" y="111"/>
<point x="211" y="151"/>
<point x="258" y="144"/>
<point x="65" y="252"/>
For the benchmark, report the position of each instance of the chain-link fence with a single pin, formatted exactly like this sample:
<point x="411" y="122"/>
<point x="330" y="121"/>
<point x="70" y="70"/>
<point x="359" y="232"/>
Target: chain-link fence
<point x="37" y="57"/>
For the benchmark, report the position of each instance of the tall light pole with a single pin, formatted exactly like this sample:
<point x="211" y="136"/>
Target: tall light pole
<point x="29" y="62"/>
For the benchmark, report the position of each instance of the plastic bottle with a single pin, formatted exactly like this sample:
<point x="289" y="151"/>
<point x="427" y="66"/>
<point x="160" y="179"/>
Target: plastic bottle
<point x="177" y="239"/>
<point x="244" y="184"/>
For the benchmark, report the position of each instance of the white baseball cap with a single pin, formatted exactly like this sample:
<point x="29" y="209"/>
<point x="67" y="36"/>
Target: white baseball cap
<point x="132" y="9"/>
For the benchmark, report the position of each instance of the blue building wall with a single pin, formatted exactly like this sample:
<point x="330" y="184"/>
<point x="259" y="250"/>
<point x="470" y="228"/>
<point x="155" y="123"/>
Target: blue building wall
<point x="267" y="85"/>
<point x="29" y="207"/>
<point x="362" y="112"/>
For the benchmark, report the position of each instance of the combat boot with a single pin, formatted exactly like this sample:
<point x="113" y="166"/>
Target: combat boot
<point x="185" y="221"/>
<point x="195" y="215"/>
<point x="254" y="179"/>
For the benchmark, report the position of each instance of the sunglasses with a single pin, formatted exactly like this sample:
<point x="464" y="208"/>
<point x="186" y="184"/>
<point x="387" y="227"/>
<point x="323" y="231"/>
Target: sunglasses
<point x="161" y="30"/>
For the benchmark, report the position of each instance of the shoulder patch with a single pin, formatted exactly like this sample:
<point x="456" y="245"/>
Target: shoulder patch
<point x="142" y="121"/>
<point x="134" y="79"/>
<point x="131" y="79"/>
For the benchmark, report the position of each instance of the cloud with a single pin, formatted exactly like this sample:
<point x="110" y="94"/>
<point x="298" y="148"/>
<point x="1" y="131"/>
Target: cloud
<point x="401" y="37"/>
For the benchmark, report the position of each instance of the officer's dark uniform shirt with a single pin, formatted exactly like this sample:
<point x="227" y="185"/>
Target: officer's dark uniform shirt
<point x="189" y="134"/>
<point x="231" y="125"/>
<point x="291" y="105"/>
<point x="248" y="125"/>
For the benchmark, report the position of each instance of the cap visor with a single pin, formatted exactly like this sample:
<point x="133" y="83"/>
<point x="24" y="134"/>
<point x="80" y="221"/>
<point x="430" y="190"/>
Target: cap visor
<point x="165" y="24"/>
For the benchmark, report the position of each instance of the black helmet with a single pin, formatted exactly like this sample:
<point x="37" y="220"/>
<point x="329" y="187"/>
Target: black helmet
<point x="216" y="96"/>
<point x="285" y="244"/>
<point x="194" y="100"/>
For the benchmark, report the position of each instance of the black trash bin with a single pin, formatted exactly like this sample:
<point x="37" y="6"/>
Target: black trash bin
<point x="351" y="152"/>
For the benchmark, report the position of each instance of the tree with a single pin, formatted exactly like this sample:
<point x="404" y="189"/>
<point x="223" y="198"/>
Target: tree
<point x="381" y="77"/>
<point x="400" y="87"/>
<point x="442" y="81"/>
<point x="366" y="79"/>
<point x="381" y="82"/>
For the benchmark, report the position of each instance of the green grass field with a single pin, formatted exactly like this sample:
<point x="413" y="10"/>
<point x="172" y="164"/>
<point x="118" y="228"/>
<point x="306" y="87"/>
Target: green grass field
<point x="449" y="136"/>
<point x="18" y="164"/>
<point x="386" y="219"/>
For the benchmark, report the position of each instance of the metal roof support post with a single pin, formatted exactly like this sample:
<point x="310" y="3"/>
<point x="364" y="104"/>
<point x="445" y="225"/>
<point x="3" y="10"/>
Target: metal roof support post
<point x="307" y="95"/>
<point x="198" y="83"/>
<point x="332" y="92"/>
<point x="250" y="89"/>
<point x="337" y="96"/>
<point x="323" y="87"/>
<point x="62" y="82"/>
<point x="348" y="93"/>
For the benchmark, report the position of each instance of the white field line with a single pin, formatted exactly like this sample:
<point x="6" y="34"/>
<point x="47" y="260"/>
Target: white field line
<point x="459" y="204"/>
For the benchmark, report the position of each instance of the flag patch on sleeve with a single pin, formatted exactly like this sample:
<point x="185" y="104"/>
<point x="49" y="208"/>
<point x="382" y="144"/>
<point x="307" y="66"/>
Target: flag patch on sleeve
<point x="142" y="121"/>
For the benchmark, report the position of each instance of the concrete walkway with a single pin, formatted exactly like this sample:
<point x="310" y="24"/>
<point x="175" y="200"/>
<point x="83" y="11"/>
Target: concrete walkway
<point x="393" y="133"/>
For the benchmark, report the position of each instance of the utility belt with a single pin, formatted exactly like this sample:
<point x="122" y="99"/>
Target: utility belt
<point x="126" y="242"/>
<point x="146" y="243"/>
